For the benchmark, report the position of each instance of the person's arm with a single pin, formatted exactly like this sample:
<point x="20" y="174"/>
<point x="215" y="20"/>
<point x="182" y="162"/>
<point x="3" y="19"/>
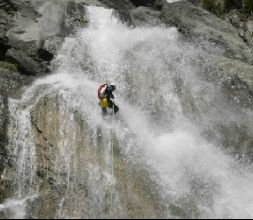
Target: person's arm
<point x="108" y="93"/>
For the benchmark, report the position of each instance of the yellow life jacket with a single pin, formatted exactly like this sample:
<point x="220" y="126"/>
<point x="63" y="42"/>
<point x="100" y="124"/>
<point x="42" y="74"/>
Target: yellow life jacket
<point x="104" y="103"/>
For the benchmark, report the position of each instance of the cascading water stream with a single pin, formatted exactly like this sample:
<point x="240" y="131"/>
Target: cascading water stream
<point x="164" y="166"/>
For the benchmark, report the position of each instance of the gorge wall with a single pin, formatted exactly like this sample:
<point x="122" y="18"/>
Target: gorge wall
<point x="183" y="151"/>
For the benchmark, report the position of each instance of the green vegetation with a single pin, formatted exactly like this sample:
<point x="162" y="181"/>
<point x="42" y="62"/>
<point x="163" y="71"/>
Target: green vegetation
<point x="248" y="6"/>
<point x="214" y="6"/>
<point x="9" y="66"/>
<point x="224" y="6"/>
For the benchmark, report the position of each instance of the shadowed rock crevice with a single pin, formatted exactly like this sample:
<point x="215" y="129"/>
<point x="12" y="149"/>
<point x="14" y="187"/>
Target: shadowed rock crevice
<point x="3" y="49"/>
<point x="143" y="2"/>
<point x="8" y="5"/>
<point x="45" y="55"/>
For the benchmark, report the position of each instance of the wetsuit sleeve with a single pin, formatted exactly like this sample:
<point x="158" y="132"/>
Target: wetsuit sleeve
<point x="108" y="93"/>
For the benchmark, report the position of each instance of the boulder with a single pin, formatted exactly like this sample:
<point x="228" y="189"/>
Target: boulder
<point x="244" y="24"/>
<point x="27" y="26"/>
<point x="141" y="16"/>
<point x="11" y="81"/>
<point x="207" y="30"/>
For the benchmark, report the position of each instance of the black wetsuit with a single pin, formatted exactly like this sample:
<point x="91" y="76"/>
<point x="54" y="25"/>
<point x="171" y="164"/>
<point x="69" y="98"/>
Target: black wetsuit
<point x="108" y="94"/>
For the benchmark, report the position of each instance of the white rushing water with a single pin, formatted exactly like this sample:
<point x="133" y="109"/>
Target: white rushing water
<point x="155" y="132"/>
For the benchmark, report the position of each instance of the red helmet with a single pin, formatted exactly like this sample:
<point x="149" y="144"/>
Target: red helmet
<point x="101" y="91"/>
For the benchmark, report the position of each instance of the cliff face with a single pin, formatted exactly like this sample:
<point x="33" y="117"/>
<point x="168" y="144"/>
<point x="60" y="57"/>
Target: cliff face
<point x="236" y="12"/>
<point x="220" y="7"/>
<point x="29" y="27"/>
<point x="62" y="155"/>
<point x="30" y="34"/>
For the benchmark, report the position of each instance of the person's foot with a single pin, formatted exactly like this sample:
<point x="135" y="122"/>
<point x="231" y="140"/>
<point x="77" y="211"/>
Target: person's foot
<point x="116" y="109"/>
<point x="104" y="111"/>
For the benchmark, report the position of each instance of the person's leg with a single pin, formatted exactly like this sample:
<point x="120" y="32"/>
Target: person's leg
<point x="104" y="111"/>
<point x="113" y="106"/>
<point x="116" y="109"/>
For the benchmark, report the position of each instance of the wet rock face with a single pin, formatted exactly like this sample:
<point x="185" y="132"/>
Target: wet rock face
<point x="237" y="12"/>
<point x="219" y="6"/>
<point x="233" y="34"/>
<point x="30" y="48"/>
<point x="199" y="25"/>
<point x="224" y="6"/>
<point x="6" y="187"/>
<point x="215" y="36"/>
<point x="31" y="32"/>
<point x="61" y="134"/>
<point x="11" y="83"/>
<point x="141" y="16"/>
<point x="26" y="26"/>
<point x="227" y="63"/>
<point x="244" y="24"/>
<point x="3" y="131"/>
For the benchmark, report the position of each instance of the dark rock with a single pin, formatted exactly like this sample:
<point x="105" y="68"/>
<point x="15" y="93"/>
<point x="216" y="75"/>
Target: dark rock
<point x="219" y="6"/>
<point x="3" y="50"/>
<point x="26" y="65"/>
<point x="45" y="55"/>
<point x="11" y="81"/>
<point x="27" y="25"/>
<point x="125" y="17"/>
<point x="9" y="5"/>
<point x="202" y="27"/>
<point x="247" y="6"/>
<point x="143" y="2"/>
<point x="159" y="4"/>
<point x="118" y="4"/>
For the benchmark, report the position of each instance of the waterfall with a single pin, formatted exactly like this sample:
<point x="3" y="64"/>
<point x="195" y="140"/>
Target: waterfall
<point x="166" y="164"/>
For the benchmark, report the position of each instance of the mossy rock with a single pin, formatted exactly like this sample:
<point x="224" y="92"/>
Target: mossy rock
<point x="213" y="6"/>
<point x="220" y="6"/>
<point x="248" y="6"/>
<point x="9" y="66"/>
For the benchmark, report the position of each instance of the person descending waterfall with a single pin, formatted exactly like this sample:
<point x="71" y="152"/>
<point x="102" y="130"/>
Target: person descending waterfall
<point x="106" y="97"/>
